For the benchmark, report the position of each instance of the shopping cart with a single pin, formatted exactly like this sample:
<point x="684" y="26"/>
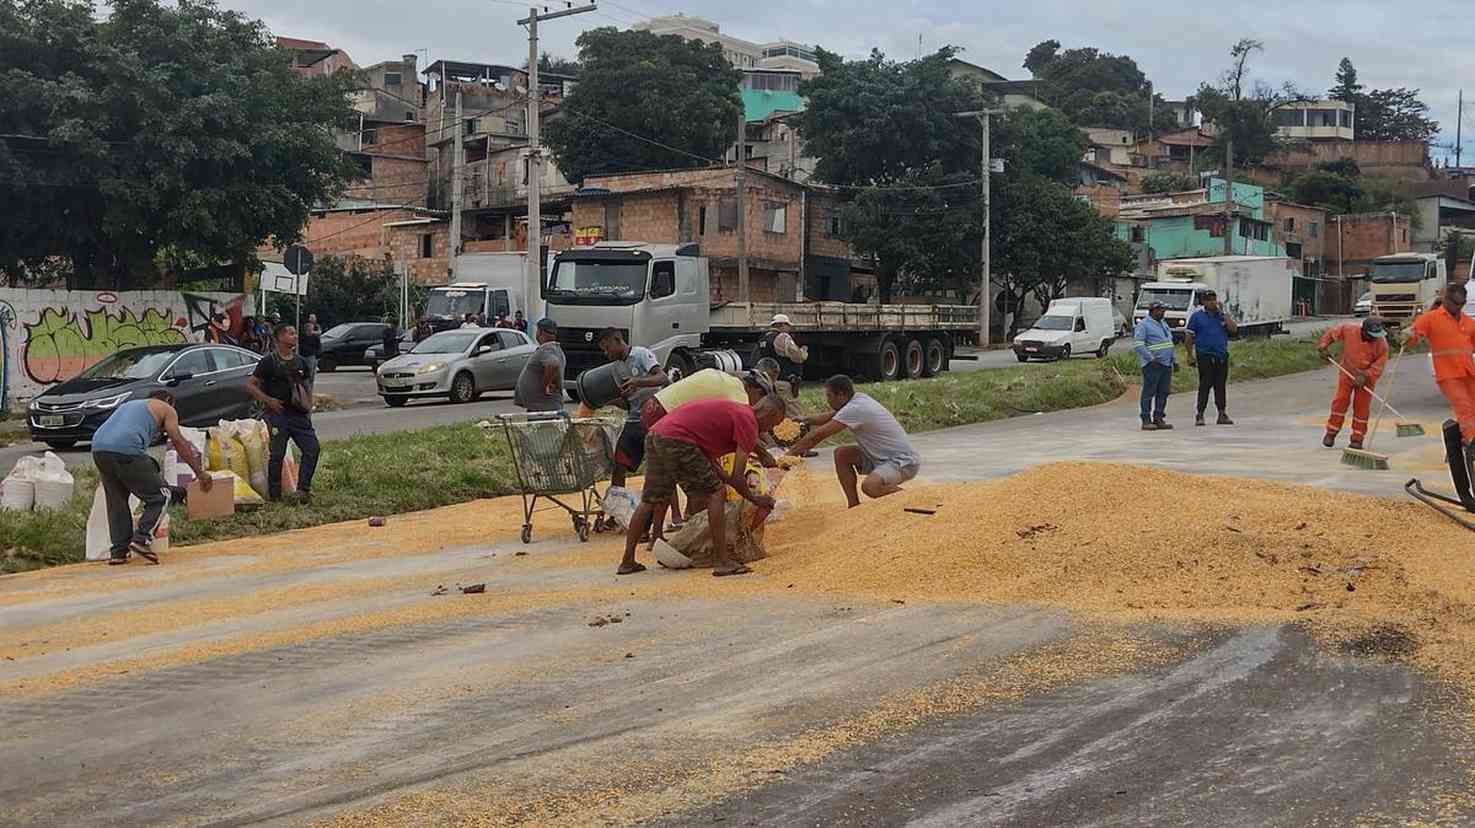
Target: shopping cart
<point x="555" y="455"/>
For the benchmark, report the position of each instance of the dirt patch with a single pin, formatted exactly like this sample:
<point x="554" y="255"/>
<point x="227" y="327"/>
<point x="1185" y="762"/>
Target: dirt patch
<point x="1381" y="641"/>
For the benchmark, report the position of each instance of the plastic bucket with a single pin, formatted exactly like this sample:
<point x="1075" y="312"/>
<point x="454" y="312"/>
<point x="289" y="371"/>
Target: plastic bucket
<point x="600" y="386"/>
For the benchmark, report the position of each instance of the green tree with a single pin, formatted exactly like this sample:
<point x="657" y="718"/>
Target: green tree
<point x="1040" y="142"/>
<point x="1394" y="115"/>
<point x="1346" y="88"/>
<point x="1097" y="89"/>
<point x="1338" y="193"/>
<point x="350" y="289"/>
<point x="1168" y="182"/>
<point x="559" y="65"/>
<point x="1242" y="110"/>
<point x="176" y="127"/>
<point x="680" y="97"/>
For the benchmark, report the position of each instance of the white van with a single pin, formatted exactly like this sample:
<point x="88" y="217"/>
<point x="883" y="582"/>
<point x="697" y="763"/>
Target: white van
<point x="1069" y="327"/>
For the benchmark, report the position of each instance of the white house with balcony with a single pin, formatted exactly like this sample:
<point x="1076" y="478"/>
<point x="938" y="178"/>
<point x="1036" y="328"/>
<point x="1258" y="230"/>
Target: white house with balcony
<point x="1316" y="120"/>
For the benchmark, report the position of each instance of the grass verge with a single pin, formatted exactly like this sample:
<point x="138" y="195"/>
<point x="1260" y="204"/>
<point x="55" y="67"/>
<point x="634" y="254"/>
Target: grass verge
<point x="413" y="470"/>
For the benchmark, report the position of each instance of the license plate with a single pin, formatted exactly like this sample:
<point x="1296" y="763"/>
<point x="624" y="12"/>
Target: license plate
<point x="395" y="386"/>
<point x="51" y="421"/>
<point x="1032" y="350"/>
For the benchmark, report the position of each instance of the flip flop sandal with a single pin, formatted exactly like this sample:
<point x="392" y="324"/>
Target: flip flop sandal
<point x="636" y="569"/>
<point x="726" y="573"/>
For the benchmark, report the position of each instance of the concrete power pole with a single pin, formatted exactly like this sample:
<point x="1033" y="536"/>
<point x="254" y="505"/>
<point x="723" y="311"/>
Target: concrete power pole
<point x="740" y="182"/>
<point x="1228" y="194"/>
<point x="534" y="289"/>
<point x="457" y="182"/>
<point x="985" y="292"/>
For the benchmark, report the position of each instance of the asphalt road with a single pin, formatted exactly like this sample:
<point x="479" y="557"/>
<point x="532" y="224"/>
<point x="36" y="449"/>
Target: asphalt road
<point x="313" y="677"/>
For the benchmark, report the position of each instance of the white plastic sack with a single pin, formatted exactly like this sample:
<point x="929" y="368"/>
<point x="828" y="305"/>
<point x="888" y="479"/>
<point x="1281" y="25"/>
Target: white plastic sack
<point x="17" y="493"/>
<point x="99" y="538"/>
<point x="52" y="466"/>
<point x="620" y="504"/>
<point x="53" y="483"/>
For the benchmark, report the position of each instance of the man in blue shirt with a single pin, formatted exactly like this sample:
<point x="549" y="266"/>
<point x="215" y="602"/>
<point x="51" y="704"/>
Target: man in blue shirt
<point x="1153" y="342"/>
<point x="1209" y="329"/>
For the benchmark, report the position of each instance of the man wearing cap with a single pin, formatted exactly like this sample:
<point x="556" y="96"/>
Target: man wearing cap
<point x="1364" y="355"/>
<point x="778" y="344"/>
<point x="1209" y="329"/>
<point x="1153" y="342"/>
<point x="540" y="385"/>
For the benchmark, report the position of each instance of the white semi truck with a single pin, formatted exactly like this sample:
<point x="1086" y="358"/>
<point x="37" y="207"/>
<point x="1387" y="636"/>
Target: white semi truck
<point x="660" y="296"/>
<point x="1255" y="290"/>
<point x="1405" y="285"/>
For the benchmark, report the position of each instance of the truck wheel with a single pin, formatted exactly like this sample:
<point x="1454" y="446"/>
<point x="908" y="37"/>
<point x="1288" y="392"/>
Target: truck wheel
<point x="1065" y="352"/>
<point x="914" y="361"/>
<point x="678" y="367"/>
<point x="1104" y="349"/>
<point x="936" y="361"/>
<point x="888" y="362"/>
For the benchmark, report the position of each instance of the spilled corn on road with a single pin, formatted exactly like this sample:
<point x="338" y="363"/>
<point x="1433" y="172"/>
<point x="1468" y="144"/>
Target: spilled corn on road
<point x="1210" y="626"/>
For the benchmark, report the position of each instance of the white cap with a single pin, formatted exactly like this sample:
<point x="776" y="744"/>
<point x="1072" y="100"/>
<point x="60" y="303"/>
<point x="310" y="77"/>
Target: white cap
<point x="780" y="319"/>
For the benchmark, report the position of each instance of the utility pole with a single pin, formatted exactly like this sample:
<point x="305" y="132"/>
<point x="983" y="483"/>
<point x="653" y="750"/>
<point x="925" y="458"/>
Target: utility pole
<point x="1459" y="127"/>
<point x="457" y="152"/>
<point x="1228" y="193"/>
<point x="534" y="289"/>
<point x="985" y="293"/>
<point x="1151" y="160"/>
<point x="740" y="186"/>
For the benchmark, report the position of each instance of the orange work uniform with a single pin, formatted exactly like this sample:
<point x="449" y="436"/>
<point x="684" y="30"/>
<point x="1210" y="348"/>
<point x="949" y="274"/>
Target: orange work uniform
<point x="1452" y="342"/>
<point x="1358" y="354"/>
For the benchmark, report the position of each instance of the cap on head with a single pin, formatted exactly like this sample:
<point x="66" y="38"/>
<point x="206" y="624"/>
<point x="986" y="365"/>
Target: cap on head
<point x="1372" y="328"/>
<point x="546" y="324"/>
<point x="780" y="319"/>
<point x="1157" y="306"/>
<point x="759" y="380"/>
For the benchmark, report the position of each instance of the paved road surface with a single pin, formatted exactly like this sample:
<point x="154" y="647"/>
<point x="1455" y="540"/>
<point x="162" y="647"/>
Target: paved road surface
<point x="286" y="680"/>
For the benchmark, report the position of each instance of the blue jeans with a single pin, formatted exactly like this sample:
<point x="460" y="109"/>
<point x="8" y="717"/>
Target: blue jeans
<point x="1157" y="384"/>
<point x="297" y="427"/>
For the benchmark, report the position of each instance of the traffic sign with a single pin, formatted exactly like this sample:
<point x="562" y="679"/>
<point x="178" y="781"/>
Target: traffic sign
<point x="298" y="260"/>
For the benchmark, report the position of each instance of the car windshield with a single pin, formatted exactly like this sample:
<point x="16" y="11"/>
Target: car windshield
<point x="130" y="365"/>
<point x="1385" y="272"/>
<point x="448" y="342"/>
<point x="1173" y="299"/>
<point x="338" y="331"/>
<point x="455" y="302"/>
<point x="1055" y="323"/>
<point x="596" y="282"/>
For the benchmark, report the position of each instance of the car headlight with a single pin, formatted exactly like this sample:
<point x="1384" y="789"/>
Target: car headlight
<point x="35" y="404"/>
<point x="429" y="368"/>
<point x="108" y="402"/>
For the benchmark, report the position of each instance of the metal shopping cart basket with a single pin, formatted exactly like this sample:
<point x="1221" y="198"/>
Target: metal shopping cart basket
<point x="557" y="455"/>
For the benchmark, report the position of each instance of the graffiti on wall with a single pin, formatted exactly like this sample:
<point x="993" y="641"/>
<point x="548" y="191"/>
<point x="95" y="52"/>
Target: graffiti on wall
<point x="61" y="343"/>
<point x="7" y="330"/>
<point x="202" y="309"/>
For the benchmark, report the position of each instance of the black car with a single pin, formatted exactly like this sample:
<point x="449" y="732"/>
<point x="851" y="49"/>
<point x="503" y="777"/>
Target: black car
<point x="346" y="344"/>
<point x="208" y="383"/>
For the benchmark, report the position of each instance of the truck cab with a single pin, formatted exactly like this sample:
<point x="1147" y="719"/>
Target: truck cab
<point x="447" y="306"/>
<point x="1181" y="298"/>
<point x="657" y="294"/>
<point x="1405" y="284"/>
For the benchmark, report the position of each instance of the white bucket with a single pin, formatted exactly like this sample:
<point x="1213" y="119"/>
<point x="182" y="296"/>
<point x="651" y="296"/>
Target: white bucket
<point x="17" y="494"/>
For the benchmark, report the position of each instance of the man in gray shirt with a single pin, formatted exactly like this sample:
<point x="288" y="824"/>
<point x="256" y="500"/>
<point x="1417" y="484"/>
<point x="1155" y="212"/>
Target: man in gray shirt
<point x="882" y="452"/>
<point x="540" y="385"/>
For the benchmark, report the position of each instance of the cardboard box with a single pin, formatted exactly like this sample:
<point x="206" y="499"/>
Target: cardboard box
<point x="218" y="502"/>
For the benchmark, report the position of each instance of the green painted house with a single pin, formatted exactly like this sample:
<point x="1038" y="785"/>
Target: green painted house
<point x="1192" y="224"/>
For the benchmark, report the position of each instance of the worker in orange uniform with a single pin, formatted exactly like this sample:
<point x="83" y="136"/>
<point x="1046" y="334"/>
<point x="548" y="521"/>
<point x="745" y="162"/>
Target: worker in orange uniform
<point x="1451" y="336"/>
<point x="1364" y="356"/>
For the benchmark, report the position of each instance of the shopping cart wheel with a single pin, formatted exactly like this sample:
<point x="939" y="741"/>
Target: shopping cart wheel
<point x="527" y="533"/>
<point x="582" y="527"/>
<point x="599" y="524"/>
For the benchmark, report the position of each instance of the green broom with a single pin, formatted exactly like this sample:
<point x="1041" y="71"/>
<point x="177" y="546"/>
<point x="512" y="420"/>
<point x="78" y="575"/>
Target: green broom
<point x="1405" y="428"/>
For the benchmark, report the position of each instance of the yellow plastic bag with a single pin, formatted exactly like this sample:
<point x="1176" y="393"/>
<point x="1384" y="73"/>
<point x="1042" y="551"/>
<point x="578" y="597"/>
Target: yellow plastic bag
<point x="255" y="439"/>
<point x="757" y="479"/>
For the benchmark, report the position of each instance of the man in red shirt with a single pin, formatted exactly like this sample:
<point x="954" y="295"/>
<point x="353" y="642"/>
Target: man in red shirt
<point x="682" y="449"/>
<point x="1451" y="337"/>
<point x="1364" y="355"/>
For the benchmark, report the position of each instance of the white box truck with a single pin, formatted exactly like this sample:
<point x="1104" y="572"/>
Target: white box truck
<point x="1255" y="290"/>
<point x="1069" y="327"/>
<point x="487" y="284"/>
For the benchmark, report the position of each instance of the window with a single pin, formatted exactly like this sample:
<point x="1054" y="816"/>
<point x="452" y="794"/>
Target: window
<point x="702" y="220"/>
<point x="194" y="363"/>
<point x="391" y="78"/>
<point x="834" y="223"/>
<point x="409" y="115"/>
<point x="1244" y="229"/>
<point x="510" y="339"/>
<point x="1346" y="118"/>
<point x="369" y="137"/>
<point x="226" y="358"/>
<point x="1290" y="225"/>
<point x="775" y="217"/>
<point x="1315" y="230"/>
<point x="1288" y="117"/>
<point x="427" y="245"/>
<point x="1139" y="233"/>
<point x="490" y="342"/>
<point x="662" y="279"/>
<point x="500" y="304"/>
<point x="1405" y="237"/>
<point x="1262" y="230"/>
<point x="727" y="215"/>
<point x="364" y="163"/>
<point x="469" y="128"/>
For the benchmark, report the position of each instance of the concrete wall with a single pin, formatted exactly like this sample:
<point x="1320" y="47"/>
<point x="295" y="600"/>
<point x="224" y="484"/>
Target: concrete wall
<point x="1407" y="160"/>
<point x="50" y="336"/>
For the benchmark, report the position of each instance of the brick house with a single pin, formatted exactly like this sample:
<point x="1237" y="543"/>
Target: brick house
<point x="793" y="246"/>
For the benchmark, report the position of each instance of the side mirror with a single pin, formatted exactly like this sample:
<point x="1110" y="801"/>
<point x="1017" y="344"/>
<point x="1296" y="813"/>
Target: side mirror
<point x="481" y="350"/>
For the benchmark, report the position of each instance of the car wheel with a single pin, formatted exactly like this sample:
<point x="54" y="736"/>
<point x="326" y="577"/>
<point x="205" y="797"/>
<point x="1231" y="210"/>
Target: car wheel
<point x="327" y="364"/>
<point x="888" y="362"/>
<point x="463" y="388"/>
<point x="61" y="445"/>
<point x="395" y="400"/>
<point x="936" y="358"/>
<point x="915" y="362"/>
<point x="1021" y="357"/>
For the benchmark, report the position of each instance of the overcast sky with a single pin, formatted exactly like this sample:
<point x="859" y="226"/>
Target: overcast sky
<point x="1429" y="46"/>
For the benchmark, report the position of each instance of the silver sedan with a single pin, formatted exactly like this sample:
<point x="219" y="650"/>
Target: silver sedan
<point x="460" y="365"/>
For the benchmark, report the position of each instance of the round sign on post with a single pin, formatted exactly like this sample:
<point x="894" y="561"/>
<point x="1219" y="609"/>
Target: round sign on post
<point x="298" y="260"/>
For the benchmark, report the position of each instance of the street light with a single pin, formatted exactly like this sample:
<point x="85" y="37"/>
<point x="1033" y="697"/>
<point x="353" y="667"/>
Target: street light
<point x="985" y="300"/>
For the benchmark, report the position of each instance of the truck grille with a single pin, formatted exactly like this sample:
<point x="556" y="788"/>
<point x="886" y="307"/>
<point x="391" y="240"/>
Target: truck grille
<point x="1397" y="297"/>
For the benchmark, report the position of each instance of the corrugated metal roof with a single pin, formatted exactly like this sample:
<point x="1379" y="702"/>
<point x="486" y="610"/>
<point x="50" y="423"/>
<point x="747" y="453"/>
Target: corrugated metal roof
<point x="758" y="104"/>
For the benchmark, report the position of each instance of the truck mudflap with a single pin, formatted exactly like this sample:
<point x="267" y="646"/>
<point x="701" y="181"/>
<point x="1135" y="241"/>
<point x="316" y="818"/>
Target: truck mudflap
<point x="1460" y="474"/>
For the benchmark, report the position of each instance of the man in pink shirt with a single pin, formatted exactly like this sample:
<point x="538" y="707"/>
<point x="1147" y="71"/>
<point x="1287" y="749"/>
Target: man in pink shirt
<point x="682" y="449"/>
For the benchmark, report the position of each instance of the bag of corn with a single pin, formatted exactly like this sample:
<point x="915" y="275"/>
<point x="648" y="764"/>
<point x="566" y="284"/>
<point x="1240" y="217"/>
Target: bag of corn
<point x="255" y="439"/>
<point x="757" y="478"/>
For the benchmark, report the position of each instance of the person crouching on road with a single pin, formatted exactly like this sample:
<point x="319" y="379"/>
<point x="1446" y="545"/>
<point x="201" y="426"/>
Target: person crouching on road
<point x="1208" y="333"/>
<point x="1153" y="342"/>
<point x="882" y="453"/>
<point x="120" y="450"/>
<point x="684" y="448"/>
<point x="280" y="383"/>
<point x="1451" y="336"/>
<point x="1364" y="355"/>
